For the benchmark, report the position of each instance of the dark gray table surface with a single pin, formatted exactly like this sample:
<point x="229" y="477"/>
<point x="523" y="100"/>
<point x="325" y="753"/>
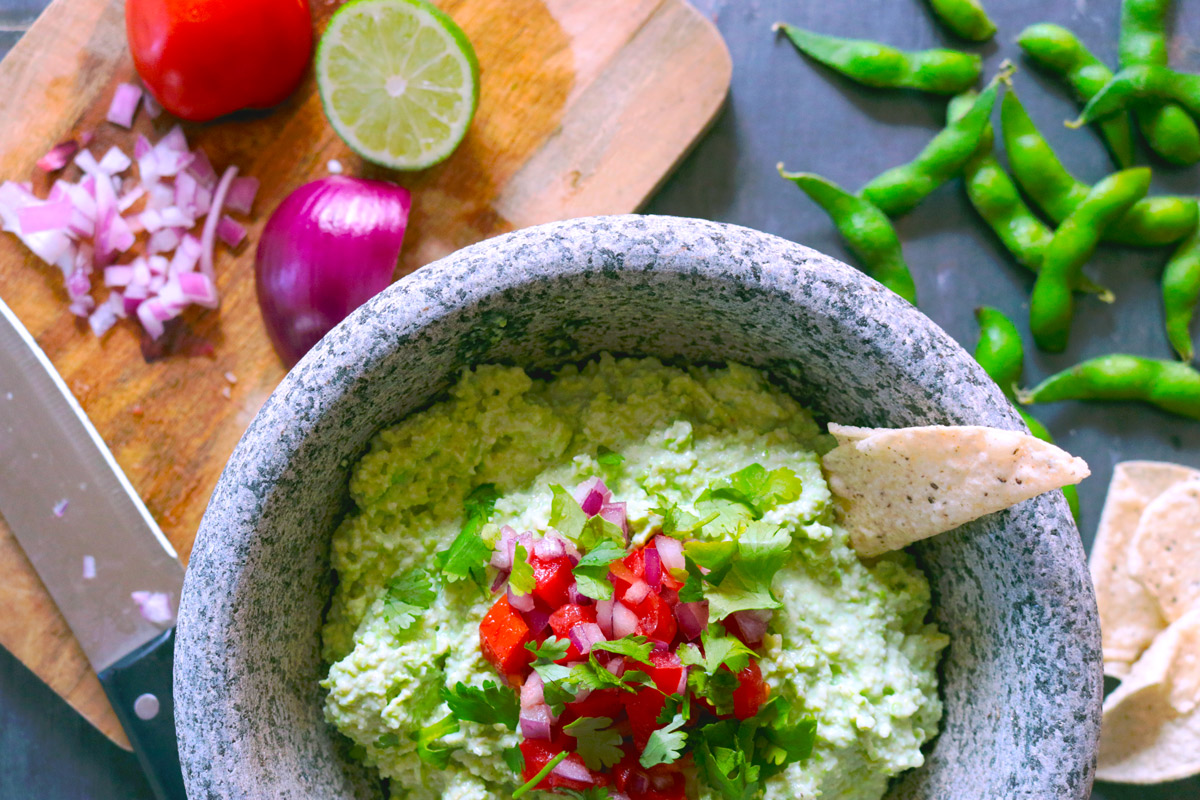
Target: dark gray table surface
<point x="783" y="108"/>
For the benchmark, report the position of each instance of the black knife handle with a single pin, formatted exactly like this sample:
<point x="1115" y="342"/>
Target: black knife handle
<point x="139" y="688"/>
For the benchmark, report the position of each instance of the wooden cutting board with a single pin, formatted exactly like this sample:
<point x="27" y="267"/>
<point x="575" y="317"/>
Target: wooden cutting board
<point x="586" y="106"/>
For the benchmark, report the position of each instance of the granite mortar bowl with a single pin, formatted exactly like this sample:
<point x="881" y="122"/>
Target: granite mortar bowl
<point x="1021" y="678"/>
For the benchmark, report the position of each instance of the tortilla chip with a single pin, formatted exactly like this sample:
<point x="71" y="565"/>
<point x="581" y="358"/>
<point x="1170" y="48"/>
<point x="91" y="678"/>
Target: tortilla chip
<point x="1151" y="726"/>
<point x="898" y="486"/>
<point x="1129" y="616"/>
<point x="1165" y="551"/>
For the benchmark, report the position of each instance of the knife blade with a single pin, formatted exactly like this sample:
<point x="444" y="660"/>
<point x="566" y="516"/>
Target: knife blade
<point x="112" y="573"/>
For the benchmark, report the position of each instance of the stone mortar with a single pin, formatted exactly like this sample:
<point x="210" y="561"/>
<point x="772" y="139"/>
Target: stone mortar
<point x="1021" y="679"/>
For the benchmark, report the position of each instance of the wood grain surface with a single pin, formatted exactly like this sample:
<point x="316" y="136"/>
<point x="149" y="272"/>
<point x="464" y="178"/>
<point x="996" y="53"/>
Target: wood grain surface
<point x="585" y="108"/>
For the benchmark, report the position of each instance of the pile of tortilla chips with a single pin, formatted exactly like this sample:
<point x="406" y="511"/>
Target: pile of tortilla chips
<point x="1146" y="568"/>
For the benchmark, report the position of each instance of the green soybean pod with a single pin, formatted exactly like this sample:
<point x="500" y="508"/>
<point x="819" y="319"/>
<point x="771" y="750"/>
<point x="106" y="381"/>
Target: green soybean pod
<point x="1052" y="305"/>
<point x="901" y="188"/>
<point x="966" y="19"/>
<point x="882" y="66"/>
<point x="1141" y="83"/>
<point x="1170" y="385"/>
<point x="1151" y="222"/>
<point x="1059" y="51"/>
<point x="1180" y="293"/>
<point x="1168" y="129"/>
<point x="867" y="230"/>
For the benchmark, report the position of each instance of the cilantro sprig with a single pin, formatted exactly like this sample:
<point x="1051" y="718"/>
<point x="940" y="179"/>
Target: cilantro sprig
<point x="596" y="741"/>
<point x="406" y="597"/>
<point x="665" y="745"/>
<point x="591" y="573"/>
<point x="430" y="749"/>
<point x="469" y="553"/>
<point x="487" y="705"/>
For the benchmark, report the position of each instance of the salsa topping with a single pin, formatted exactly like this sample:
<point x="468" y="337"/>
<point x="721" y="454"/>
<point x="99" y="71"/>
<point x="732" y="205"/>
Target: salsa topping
<point x="628" y="663"/>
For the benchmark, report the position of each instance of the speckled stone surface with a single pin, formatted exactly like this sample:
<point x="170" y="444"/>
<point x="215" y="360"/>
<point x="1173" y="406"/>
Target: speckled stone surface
<point x="1021" y="678"/>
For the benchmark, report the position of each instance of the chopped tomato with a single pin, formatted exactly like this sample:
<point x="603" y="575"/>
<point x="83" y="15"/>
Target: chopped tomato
<point x="656" y="619"/>
<point x="751" y="693"/>
<point x="666" y="670"/>
<point x="553" y="579"/>
<point x="643" y="708"/>
<point x="538" y="753"/>
<point x="663" y="782"/>
<point x="569" y="616"/>
<point x="635" y="562"/>
<point x="503" y="635"/>
<point x="600" y="703"/>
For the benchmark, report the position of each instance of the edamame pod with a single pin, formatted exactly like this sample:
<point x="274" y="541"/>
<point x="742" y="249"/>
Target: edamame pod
<point x="1059" y="51"/>
<point x="1170" y="385"/>
<point x="1132" y="84"/>
<point x="1180" y="293"/>
<point x="879" y="65"/>
<point x="1151" y="222"/>
<point x="1052" y="305"/>
<point x="867" y="230"/>
<point x="965" y="18"/>
<point x="901" y="188"/>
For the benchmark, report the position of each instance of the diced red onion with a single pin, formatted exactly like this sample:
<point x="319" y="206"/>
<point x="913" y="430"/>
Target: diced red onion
<point x="174" y="141"/>
<point x="50" y="216"/>
<point x="751" y="626"/>
<point x="230" y="232"/>
<point x="549" y="546"/>
<point x="636" y="593"/>
<point x="624" y="621"/>
<point x="521" y="602"/>
<point x="531" y="692"/>
<point x="585" y="634"/>
<point x="202" y="169"/>
<point x="575" y="597"/>
<point x="604" y="617"/>
<point x="124" y="105"/>
<point x="638" y="783"/>
<point x="584" y="491"/>
<point x="58" y="156"/>
<point x="187" y="254"/>
<point x="616" y="665"/>
<point x="502" y="556"/>
<point x="164" y="241"/>
<point x="155" y="607"/>
<point x="692" y="617"/>
<point x="120" y="275"/>
<point x="662" y="781"/>
<point x="499" y="580"/>
<point x="89" y="567"/>
<point x="536" y="722"/>
<point x="653" y="567"/>
<point x="241" y="194"/>
<point x="208" y="238"/>
<point x="197" y="288"/>
<point x="151" y="106"/>
<point x="671" y="552"/>
<point x="538" y="620"/>
<point x="107" y="314"/>
<point x="574" y="770"/>
<point x="60" y="508"/>
<point x="615" y="513"/>
<point x="114" y="161"/>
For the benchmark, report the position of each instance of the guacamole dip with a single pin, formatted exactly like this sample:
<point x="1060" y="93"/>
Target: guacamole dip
<point x="849" y="645"/>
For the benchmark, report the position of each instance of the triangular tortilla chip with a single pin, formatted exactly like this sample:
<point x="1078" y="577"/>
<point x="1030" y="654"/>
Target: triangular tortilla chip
<point x="1165" y="551"/>
<point x="1151" y="727"/>
<point x="1129" y="616"/>
<point x="898" y="486"/>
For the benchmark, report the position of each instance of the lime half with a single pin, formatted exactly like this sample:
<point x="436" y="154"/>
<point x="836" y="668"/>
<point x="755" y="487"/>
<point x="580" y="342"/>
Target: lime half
<point x="399" y="81"/>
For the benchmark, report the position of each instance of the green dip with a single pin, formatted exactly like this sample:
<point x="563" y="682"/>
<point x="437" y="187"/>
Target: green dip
<point x="852" y="647"/>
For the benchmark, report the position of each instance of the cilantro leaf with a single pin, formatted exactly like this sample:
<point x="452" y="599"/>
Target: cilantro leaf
<point x="679" y="523"/>
<point x="692" y="590"/>
<point x="406" y="597"/>
<point x="726" y="510"/>
<point x="665" y="744"/>
<point x="596" y="741"/>
<point x="592" y="675"/>
<point x="716" y="557"/>
<point x="715" y="687"/>
<point x="521" y="580"/>
<point x="489" y="705"/>
<point x="763" y="549"/>
<point x="515" y="759"/>
<point x="566" y="516"/>
<point x="428" y="748"/>
<point x="558" y="693"/>
<point x="636" y="647"/>
<point x="597" y="530"/>
<point x="719" y="650"/>
<point x="739" y="591"/>
<point x="760" y="489"/>
<point x="545" y="655"/>
<point x="608" y="458"/>
<point x="591" y="573"/>
<point x="468" y="553"/>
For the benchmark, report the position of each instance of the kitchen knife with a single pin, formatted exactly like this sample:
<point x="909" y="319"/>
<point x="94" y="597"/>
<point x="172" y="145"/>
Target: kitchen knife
<point x="114" y="576"/>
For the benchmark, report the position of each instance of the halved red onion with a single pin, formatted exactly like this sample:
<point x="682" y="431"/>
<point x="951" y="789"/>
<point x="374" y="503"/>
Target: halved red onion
<point x="521" y="602"/>
<point x="653" y="564"/>
<point x="124" y="104"/>
<point x="573" y="769"/>
<point x="750" y="626"/>
<point x="624" y="621"/>
<point x="692" y="617"/>
<point x="585" y="634"/>
<point x="604" y="617"/>
<point x="636" y="593"/>
<point x="536" y="722"/>
<point x="538" y="620"/>
<point x="531" y="691"/>
<point x="670" y="551"/>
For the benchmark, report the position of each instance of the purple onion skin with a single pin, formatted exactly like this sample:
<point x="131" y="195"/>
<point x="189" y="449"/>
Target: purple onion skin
<point x="330" y="246"/>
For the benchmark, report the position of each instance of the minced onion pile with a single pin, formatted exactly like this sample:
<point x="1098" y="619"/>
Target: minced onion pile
<point x="85" y="227"/>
